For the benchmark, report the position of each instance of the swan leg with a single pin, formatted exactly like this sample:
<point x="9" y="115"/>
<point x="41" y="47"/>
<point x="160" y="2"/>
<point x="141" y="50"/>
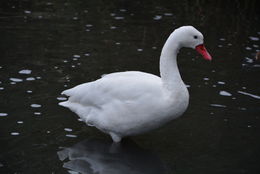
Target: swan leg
<point x="116" y="138"/>
<point x="114" y="148"/>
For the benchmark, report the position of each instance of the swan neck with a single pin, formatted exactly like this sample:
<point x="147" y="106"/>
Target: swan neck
<point x="168" y="63"/>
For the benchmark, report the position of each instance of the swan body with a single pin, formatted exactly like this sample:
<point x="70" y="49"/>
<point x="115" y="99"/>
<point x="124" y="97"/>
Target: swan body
<point x="132" y="102"/>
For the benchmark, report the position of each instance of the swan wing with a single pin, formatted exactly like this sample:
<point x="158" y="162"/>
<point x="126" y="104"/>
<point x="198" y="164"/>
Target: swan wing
<point x="115" y="94"/>
<point x="120" y="86"/>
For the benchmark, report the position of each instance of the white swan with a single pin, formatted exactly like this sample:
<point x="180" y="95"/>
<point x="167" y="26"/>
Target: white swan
<point x="132" y="102"/>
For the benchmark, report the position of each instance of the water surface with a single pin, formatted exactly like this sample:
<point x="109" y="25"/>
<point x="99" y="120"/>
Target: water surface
<point x="49" y="46"/>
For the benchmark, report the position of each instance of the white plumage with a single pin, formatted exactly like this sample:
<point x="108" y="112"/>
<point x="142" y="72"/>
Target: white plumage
<point x="132" y="102"/>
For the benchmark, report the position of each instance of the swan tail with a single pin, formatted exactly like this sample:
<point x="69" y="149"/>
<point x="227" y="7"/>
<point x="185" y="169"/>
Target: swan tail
<point x="81" y="111"/>
<point x="64" y="104"/>
<point x="67" y="92"/>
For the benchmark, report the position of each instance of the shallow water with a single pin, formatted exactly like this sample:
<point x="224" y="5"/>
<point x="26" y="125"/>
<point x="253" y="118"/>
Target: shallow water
<point x="47" y="47"/>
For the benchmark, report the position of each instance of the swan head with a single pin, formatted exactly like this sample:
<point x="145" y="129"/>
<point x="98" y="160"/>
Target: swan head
<point x="190" y="37"/>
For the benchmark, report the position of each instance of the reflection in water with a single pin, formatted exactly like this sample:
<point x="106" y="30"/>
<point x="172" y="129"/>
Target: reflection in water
<point x="100" y="157"/>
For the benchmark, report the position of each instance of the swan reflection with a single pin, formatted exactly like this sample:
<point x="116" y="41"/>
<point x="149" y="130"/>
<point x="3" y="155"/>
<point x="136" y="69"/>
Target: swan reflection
<point x="101" y="157"/>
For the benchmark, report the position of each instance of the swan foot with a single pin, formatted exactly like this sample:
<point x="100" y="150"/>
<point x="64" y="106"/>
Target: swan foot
<point x="116" y="138"/>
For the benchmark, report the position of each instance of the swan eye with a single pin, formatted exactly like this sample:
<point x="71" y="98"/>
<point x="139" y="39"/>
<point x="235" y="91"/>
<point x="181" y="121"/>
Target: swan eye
<point x="195" y="37"/>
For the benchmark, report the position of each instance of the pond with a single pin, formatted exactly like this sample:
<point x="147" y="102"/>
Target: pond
<point x="49" y="46"/>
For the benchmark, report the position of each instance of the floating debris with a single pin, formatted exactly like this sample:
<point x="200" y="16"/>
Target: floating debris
<point x="89" y="25"/>
<point x="36" y="105"/>
<point x="242" y="109"/>
<point x="16" y="79"/>
<point x="112" y="14"/>
<point x="113" y="27"/>
<point x="15" y="133"/>
<point x="3" y="114"/>
<point x="61" y="98"/>
<point x="221" y="83"/>
<point x="168" y="14"/>
<point x="225" y="93"/>
<point x="25" y="71"/>
<point x="27" y="12"/>
<point x="254" y="38"/>
<point x="248" y="60"/>
<point x="71" y="136"/>
<point x="122" y="10"/>
<point x="157" y="17"/>
<point x="119" y="18"/>
<point x="248" y="94"/>
<point x="76" y="56"/>
<point x="37" y="113"/>
<point x="218" y="105"/>
<point x="68" y="129"/>
<point x="248" y="48"/>
<point x="30" y="78"/>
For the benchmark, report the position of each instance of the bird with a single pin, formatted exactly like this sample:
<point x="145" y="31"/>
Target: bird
<point x="129" y="103"/>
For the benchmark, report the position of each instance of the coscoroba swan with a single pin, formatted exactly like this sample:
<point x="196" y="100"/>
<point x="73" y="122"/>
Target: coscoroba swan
<point x="132" y="102"/>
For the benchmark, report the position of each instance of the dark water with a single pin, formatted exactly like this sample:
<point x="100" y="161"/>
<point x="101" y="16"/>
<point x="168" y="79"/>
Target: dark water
<point x="49" y="46"/>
